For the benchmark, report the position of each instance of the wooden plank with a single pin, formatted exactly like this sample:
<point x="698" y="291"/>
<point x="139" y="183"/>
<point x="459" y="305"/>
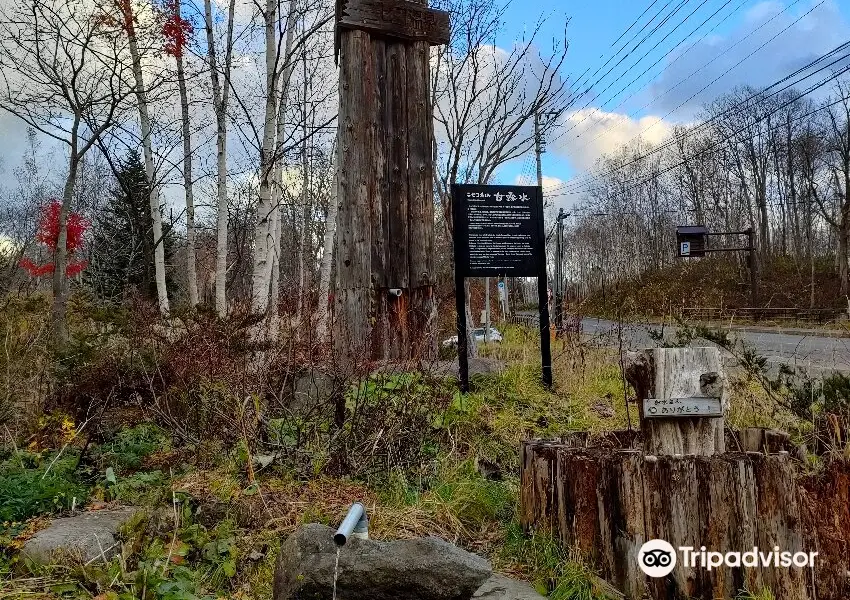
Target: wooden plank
<point x="380" y="200"/>
<point x="655" y="408"/>
<point x="395" y="19"/>
<point x="354" y="306"/>
<point x="396" y="167"/>
<point x="420" y="216"/>
<point x="780" y="523"/>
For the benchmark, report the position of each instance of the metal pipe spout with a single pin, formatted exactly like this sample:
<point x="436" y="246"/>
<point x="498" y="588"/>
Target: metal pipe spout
<point x="355" y="524"/>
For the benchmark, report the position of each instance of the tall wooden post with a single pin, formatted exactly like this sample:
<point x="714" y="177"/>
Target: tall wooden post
<point x="385" y="250"/>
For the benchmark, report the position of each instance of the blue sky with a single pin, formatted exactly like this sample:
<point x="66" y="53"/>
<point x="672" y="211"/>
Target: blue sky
<point x="792" y="32"/>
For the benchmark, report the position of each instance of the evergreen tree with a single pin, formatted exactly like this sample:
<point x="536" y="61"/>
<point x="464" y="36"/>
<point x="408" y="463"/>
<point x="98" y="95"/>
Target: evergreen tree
<point x="122" y="249"/>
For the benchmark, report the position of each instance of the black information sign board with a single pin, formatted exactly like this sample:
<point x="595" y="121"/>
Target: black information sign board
<point x="498" y="232"/>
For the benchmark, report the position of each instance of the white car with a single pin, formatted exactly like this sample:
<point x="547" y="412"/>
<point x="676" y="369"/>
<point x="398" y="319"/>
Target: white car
<point x="477" y="335"/>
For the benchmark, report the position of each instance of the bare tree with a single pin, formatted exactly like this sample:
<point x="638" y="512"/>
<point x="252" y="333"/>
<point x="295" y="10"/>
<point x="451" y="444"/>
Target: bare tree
<point x="177" y="34"/>
<point x="837" y="210"/>
<point x="221" y="94"/>
<point x="63" y="73"/>
<point x="136" y="53"/>
<point x="486" y="100"/>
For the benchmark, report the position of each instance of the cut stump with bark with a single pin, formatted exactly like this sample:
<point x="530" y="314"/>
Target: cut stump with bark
<point x="606" y="503"/>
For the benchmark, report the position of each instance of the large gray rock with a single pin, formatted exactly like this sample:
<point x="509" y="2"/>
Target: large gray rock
<point x="422" y="569"/>
<point x="312" y="389"/>
<point x="499" y="587"/>
<point x="85" y="538"/>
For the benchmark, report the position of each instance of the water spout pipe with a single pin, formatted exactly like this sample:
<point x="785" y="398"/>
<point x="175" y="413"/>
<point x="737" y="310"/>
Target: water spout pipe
<point x="355" y="524"/>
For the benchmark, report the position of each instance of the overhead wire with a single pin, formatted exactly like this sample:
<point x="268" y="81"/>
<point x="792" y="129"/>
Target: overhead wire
<point x="698" y="70"/>
<point x="579" y="83"/>
<point x="725" y="139"/>
<point x="660" y="58"/>
<point x="613" y="44"/>
<point x="639" y="60"/>
<point x="581" y="181"/>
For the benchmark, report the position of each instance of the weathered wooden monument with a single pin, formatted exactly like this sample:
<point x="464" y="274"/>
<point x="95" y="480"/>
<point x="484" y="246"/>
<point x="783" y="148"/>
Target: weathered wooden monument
<point x="385" y="306"/>
<point x="676" y="481"/>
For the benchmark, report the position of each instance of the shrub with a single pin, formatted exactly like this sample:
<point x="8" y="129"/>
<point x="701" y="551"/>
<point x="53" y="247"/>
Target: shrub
<point x="27" y="492"/>
<point x="130" y="446"/>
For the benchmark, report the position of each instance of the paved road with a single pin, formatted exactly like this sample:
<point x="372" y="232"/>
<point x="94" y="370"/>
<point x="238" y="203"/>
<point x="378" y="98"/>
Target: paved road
<point x="808" y="351"/>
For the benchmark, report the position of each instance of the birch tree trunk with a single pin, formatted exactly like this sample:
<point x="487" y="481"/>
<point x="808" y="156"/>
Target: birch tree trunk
<point x="322" y="315"/>
<point x="147" y="146"/>
<point x="264" y="232"/>
<point x="220" y="98"/>
<point x="277" y="192"/>
<point x="191" y="272"/>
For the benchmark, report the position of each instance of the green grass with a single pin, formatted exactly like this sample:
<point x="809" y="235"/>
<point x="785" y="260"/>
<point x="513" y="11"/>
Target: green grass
<point x="30" y="485"/>
<point x="553" y="570"/>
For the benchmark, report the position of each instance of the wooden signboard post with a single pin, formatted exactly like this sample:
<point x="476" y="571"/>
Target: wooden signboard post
<point x="683" y="399"/>
<point x="385" y="304"/>
<point x="498" y="232"/>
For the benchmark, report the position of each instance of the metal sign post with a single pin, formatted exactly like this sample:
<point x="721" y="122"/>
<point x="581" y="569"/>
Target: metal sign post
<point x="693" y="241"/>
<point x="498" y="232"/>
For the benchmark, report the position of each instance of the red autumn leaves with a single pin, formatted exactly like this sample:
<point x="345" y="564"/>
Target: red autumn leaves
<point x="175" y="28"/>
<point x="48" y="235"/>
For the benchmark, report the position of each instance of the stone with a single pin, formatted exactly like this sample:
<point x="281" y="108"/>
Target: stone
<point x="420" y="569"/>
<point x="84" y="538"/>
<point x="499" y="587"/>
<point x="312" y="389"/>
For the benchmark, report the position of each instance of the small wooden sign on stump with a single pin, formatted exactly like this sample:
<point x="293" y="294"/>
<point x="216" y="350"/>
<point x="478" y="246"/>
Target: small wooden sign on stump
<point x="682" y="487"/>
<point x="682" y="398"/>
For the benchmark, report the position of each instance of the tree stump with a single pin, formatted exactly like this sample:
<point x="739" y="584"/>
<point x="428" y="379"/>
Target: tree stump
<point x="608" y="503"/>
<point x="675" y="378"/>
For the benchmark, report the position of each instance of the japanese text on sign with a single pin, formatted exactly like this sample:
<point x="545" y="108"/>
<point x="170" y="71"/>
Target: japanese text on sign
<point x="682" y="407"/>
<point x="499" y="230"/>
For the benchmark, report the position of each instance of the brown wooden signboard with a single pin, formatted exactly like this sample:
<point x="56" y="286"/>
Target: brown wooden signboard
<point x="386" y="308"/>
<point x="399" y="19"/>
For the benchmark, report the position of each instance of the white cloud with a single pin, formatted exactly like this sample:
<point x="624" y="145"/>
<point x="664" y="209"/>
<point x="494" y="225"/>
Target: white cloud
<point x="593" y="133"/>
<point x="548" y="182"/>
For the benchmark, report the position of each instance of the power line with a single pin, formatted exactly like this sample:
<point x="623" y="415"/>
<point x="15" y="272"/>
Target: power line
<point x="613" y="56"/>
<point x="660" y="58"/>
<point x="636" y="46"/>
<point x="590" y="177"/>
<point x="760" y="119"/>
<point x="638" y="61"/>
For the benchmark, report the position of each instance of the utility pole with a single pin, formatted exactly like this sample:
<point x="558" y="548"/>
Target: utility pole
<point x="538" y="151"/>
<point x="753" y="265"/>
<point x="559" y="271"/>
<point x="538" y="148"/>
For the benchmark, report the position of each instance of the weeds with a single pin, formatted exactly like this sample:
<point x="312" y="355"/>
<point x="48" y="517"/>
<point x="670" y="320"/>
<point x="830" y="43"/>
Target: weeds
<point x="555" y="571"/>
<point x="28" y="489"/>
